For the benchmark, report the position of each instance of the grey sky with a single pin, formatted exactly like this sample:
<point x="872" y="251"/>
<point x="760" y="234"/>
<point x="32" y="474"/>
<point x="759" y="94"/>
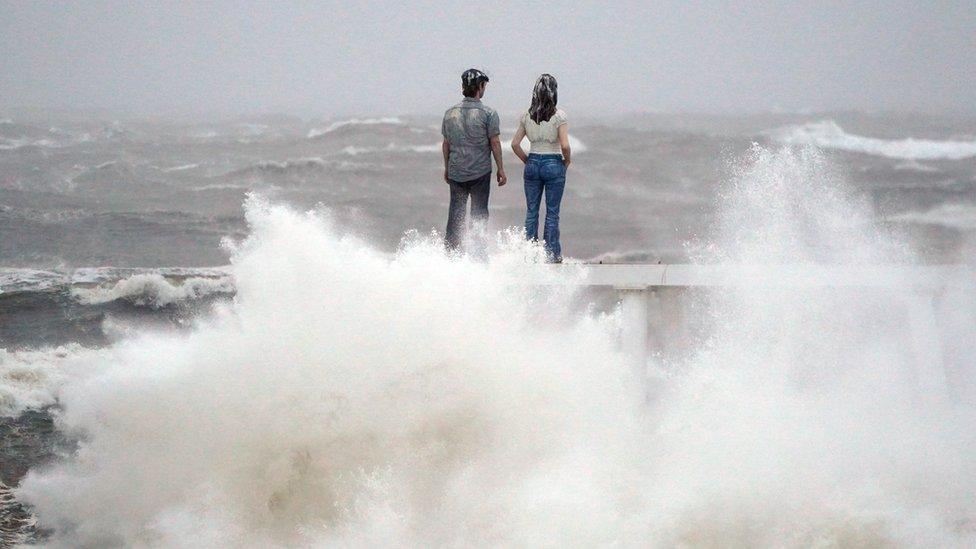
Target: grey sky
<point x="358" y="58"/>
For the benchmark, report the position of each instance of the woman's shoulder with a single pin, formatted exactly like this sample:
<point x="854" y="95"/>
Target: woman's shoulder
<point x="560" y="117"/>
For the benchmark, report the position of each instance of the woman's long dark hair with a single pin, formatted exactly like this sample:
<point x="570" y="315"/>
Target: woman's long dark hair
<point x="544" y="99"/>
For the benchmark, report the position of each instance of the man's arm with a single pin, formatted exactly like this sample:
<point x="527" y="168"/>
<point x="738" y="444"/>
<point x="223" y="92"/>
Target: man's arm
<point x="496" y="145"/>
<point x="446" y="149"/>
<point x="496" y="151"/>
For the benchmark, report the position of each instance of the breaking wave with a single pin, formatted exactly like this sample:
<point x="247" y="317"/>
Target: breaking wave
<point x="160" y="286"/>
<point x="350" y="398"/>
<point x="392" y="147"/>
<point x="390" y="120"/>
<point x="154" y="290"/>
<point x="828" y="134"/>
<point x="290" y="166"/>
<point x="32" y="379"/>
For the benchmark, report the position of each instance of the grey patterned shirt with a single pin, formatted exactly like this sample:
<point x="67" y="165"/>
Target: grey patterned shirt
<point x="468" y="127"/>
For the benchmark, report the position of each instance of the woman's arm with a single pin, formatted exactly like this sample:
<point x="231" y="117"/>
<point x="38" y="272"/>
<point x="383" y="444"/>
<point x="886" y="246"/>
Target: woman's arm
<point x="563" y="132"/>
<point x="517" y="143"/>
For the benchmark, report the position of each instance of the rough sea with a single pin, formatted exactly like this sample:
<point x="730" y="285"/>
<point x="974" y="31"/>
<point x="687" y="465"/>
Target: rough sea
<point x="245" y="333"/>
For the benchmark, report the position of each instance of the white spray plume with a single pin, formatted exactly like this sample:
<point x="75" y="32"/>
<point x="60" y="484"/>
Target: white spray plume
<point x="350" y="399"/>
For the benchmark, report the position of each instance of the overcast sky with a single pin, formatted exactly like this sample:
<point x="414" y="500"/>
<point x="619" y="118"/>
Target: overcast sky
<point x="353" y="57"/>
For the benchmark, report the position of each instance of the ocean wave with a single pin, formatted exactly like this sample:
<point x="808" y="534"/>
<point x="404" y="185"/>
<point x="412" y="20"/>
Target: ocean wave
<point x="220" y="187"/>
<point x="154" y="286"/>
<point x="827" y="134"/>
<point x="314" y="162"/>
<point x="29" y="280"/>
<point x="956" y="216"/>
<point x="181" y="168"/>
<point x="32" y="379"/>
<point x="389" y="120"/>
<point x="277" y="167"/>
<point x="392" y="148"/>
<point x="154" y="290"/>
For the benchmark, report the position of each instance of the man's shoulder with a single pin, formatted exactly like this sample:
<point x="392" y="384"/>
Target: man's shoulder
<point x="487" y="109"/>
<point x="453" y="112"/>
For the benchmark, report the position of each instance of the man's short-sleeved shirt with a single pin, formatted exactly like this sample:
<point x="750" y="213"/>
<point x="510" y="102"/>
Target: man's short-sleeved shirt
<point x="469" y="127"/>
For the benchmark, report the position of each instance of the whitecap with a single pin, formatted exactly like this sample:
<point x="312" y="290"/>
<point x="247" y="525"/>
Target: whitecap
<point x="32" y="379"/>
<point x="154" y="290"/>
<point x="827" y="134"/>
<point x="392" y="147"/>
<point x="315" y="132"/>
<point x="184" y="167"/>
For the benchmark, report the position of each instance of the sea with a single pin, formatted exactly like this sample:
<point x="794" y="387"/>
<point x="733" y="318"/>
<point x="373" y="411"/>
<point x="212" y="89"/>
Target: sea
<point x="245" y="332"/>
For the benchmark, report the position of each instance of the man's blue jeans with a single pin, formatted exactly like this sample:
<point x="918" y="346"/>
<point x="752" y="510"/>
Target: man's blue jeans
<point x="544" y="173"/>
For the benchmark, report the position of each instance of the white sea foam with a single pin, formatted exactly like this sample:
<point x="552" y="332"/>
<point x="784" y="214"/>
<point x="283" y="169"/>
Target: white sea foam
<point x="348" y="398"/>
<point x="153" y="289"/>
<point x="14" y="144"/>
<point x="32" y="379"/>
<point x="392" y="147"/>
<point x="828" y="134"/>
<point x="181" y="168"/>
<point x="315" y="132"/>
<point x="957" y="216"/>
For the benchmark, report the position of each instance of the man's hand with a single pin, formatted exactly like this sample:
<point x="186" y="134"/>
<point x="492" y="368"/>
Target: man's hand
<point x="502" y="178"/>
<point x="446" y="179"/>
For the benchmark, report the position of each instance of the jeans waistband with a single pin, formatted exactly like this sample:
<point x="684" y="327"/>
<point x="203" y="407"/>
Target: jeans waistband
<point x="546" y="157"/>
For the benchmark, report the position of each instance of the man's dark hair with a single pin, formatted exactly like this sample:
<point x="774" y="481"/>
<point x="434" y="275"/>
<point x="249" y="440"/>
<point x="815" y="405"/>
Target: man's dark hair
<point x="471" y="81"/>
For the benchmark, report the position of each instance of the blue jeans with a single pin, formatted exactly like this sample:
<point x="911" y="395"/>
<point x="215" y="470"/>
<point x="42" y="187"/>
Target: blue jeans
<point x="544" y="173"/>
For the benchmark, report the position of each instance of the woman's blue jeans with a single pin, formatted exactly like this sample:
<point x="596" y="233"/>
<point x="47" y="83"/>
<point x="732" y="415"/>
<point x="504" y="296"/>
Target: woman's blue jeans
<point x="544" y="174"/>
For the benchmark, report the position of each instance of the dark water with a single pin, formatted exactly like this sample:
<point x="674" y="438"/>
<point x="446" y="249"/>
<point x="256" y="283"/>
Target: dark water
<point x="27" y="440"/>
